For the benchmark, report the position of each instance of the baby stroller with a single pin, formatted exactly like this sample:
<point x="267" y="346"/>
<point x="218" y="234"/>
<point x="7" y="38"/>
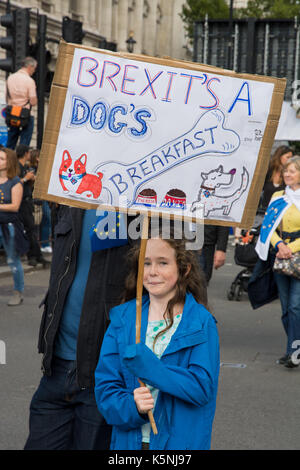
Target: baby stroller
<point x="245" y="255"/>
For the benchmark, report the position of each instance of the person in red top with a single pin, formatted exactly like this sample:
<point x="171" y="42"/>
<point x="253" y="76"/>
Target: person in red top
<point x="21" y="91"/>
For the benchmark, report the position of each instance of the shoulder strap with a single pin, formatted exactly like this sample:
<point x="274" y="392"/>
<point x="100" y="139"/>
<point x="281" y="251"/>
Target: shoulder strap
<point x="280" y="225"/>
<point x="7" y="91"/>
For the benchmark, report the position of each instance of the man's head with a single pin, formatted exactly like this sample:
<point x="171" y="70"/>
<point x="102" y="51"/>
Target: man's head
<point x="30" y="64"/>
<point x="22" y="151"/>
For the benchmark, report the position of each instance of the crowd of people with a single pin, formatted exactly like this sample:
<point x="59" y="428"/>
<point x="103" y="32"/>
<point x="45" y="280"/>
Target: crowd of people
<point x="101" y="388"/>
<point x="98" y="385"/>
<point x="87" y="402"/>
<point x="90" y="395"/>
<point x="20" y="236"/>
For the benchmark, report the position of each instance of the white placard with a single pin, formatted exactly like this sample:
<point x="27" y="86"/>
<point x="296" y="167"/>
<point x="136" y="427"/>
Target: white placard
<point x="144" y="135"/>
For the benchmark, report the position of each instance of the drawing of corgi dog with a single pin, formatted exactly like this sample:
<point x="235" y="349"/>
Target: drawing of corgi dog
<point x="75" y="180"/>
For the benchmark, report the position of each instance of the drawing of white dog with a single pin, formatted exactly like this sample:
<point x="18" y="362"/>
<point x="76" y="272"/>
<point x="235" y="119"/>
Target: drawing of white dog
<point x="213" y="184"/>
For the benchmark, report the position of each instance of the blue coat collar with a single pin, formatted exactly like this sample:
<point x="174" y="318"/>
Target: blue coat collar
<point x="190" y="329"/>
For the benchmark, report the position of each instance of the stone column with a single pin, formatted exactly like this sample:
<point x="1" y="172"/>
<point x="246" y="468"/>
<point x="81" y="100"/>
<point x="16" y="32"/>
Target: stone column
<point x="136" y="25"/>
<point x="62" y="7"/>
<point x="82" y="9"/>
<point x="178" y="40"/>
<point x="99" y="10"/>
<point x="122" y="25"/>
<point x="149" y="26"/>
<point x="105" y="16"/>
<point x="114" y="21"/>
<point x="164" y="29"/>
<point x="92" y="16"/>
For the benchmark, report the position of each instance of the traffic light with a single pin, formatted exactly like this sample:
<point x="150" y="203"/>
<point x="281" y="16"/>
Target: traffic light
<point x="48" y="73"/>
<point x="72" y="30"/>
<point x="7" y="42"/>
<point x="16" y="42"/>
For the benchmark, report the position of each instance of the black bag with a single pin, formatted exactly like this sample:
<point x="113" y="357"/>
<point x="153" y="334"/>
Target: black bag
<point x="262" y="288"/>
<point x="17" y="116"/>
<point x="245" y="255"/>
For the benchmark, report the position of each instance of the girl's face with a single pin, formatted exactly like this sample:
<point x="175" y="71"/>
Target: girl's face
<point x="3" y="160"/>
<point x="291" y="176"/>
<point x="285" y="157"/>
<point x="160" y="269"/>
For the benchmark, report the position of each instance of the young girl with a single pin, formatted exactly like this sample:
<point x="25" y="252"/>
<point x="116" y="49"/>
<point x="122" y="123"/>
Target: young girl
<point x="178" y="356"/>
<point x="11" y="229"/>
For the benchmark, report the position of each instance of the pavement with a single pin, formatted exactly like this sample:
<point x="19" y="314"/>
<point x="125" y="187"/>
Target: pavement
<point x="6" y="272"/>
<point x="258" y="400"/>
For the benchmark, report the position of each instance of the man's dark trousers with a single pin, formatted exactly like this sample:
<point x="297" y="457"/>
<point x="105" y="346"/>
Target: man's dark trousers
<point x="206" y="260"/>
<point x="25" y="135"/>
<point x="64" y="416"/>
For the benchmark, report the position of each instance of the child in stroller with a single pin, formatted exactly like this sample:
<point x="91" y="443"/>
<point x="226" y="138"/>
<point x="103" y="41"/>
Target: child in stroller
<point x="245" y="255"/>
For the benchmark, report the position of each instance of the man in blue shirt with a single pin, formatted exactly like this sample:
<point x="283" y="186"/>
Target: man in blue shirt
<point x="84" y="285"/>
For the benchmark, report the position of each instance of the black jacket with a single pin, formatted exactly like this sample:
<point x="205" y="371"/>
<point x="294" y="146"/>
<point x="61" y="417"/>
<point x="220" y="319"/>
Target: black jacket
<point x="27" y="186"/>
<point x="216" y="235"/>
<point x="103" y="291"/>
<point x="262" y="287"/>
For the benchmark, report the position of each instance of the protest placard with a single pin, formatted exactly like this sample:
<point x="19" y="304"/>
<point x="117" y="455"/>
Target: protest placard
<point x="145" y="133"/>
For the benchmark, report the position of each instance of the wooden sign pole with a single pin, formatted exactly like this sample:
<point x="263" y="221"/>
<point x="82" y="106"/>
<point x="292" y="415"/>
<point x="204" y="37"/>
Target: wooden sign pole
<point x="139" y="294"/>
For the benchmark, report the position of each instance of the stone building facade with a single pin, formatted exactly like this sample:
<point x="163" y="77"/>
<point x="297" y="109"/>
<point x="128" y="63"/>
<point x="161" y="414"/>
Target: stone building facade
<point x="154" y="24"/>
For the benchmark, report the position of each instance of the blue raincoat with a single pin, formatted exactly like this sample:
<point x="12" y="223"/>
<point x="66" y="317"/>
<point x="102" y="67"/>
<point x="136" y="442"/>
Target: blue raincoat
<point x="186" y="376"/>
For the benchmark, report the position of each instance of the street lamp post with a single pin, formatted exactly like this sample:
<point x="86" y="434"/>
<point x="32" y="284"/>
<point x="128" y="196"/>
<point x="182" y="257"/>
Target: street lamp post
<point x="130" y="42"/>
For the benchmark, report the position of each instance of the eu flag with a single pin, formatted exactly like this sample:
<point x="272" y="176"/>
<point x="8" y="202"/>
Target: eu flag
<point x="110" y="230"/>
<point x="273" y="212"/>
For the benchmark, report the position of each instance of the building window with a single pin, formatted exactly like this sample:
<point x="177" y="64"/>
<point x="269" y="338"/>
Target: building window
<point x="47" y="6"/>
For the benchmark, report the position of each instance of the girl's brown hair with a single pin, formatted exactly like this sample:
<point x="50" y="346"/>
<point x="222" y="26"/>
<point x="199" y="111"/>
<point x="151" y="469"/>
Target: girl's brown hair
<point x="34" y="157"/>
<point x="275" y="163"/>
<point x="12" y="165"/>
<point x="190" y="278"/>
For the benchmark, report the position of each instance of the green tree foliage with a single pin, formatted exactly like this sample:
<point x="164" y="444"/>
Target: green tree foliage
<point x="194" y="10"/>
<point x="285" y="8"/>
<point x="255" y="9"/>
<point x="270" y="9"/>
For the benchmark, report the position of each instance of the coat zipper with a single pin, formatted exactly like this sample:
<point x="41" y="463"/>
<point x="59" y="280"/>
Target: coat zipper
<point x="59" y="283"/>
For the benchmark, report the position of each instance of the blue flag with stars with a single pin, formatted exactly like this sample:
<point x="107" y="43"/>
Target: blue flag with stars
<point x="109" y="231"/>
<point x="271" y="221"/>
<point x="273" y="212"/>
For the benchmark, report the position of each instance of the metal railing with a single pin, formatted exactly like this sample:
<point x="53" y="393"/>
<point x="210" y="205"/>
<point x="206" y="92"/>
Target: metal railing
<point x="263" y="47"/>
